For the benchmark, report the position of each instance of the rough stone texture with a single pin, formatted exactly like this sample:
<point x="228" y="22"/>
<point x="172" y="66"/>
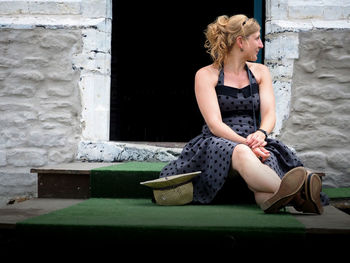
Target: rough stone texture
<point x="119" y="152"/>
<point x="284" y="20"/>
<point x="319" y="123"/>
<point x="307" y="51"/>
<point x="54" y="85"/>
<point x="40" y="105"/>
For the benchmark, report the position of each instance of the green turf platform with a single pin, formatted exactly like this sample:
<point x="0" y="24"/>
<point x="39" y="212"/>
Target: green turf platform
<point x="139" y="221"/>
<point x="337" y="193"/>
<point x="123" y="180"/>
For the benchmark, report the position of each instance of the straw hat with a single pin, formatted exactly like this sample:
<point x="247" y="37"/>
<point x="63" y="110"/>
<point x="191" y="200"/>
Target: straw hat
<point x="173" y="190"/>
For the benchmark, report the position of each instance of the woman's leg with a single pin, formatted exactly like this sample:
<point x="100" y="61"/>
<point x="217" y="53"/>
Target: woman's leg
<point x="260" y="178"/>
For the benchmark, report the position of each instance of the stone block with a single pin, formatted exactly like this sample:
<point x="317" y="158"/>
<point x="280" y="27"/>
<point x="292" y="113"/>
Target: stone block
<point x="51" y="7"/>
<point x="97" y="92"/>
<point x="283" y="26"/>
<point x="17" y="88"/>
<point x="304" y="120"/>
<point x="33" y="75"/>
<point x="12" y="137"/>
<point x="35" y="61"/>
<point x="118" y="152"/>
<point x="39" y="138"/>
<point x="27" y="157"/>
<point x="284" y="45"/>
<point x="276" y="9"/>
<point x="94" y="62"/>
<point x="97" y="8"/>
<point x="20" y="119"/>
<point x="342" y="109"/>
<point x="308" y="104"/>
<point x="282" y="97"/>
<point x="3" y="161"/>
<point x="8" y="7"/>
<point x="64" y="116"/>
<point x="9" y="63"/>
<point x="314" y="139"/>
<point x="280" y="69"/>
<point x="339" y="121"/>
<point x="339" y="159"/>
<point x="58" y="42"/>
<point x="309" y="66"/>
<point x="305" y="11"/>
<point x="97" y="41"/>
<point x="315" y="160"/>
<point x="61" y="89"/>
<point x="59" y="7"/>
<point x="100" y="152"/>
<point x="63" y="156"/>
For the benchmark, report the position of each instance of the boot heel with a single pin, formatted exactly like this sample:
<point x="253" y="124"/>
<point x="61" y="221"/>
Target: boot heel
<point x="313" y="187"/>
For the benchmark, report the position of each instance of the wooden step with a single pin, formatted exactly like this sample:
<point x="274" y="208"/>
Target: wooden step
<point x="70" y="180"/>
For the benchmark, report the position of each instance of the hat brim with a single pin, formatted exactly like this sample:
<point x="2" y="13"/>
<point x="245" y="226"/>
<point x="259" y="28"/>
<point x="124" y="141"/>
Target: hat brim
<point x="172" y="180"/>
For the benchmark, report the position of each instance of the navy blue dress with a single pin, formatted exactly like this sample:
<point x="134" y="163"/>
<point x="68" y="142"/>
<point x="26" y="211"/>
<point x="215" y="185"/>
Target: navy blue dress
<point x="212" y="155"/>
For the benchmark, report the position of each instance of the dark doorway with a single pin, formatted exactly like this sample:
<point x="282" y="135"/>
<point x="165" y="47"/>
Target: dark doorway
<point x="156" y="50"/>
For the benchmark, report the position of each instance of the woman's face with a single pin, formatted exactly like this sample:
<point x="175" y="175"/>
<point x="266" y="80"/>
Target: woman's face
<point x="253" y="45"/>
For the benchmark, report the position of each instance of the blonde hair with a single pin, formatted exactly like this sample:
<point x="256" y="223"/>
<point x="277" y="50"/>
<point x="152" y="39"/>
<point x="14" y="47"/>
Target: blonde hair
<point x="222" y="33"/>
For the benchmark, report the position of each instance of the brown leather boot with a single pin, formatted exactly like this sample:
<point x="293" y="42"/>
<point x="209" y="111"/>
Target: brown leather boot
<point x="292" y="183"/>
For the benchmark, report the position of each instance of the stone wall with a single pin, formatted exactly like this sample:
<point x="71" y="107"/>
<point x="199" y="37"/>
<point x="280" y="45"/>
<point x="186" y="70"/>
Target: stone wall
<point x="54" y="85"/>
<point x="319" y="122"/>
<point x="307" y="51"/>
<point x="40" y="105"/>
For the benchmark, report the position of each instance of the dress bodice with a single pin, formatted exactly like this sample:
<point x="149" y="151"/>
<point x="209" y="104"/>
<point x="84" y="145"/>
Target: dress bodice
<point x="236" y="105"/>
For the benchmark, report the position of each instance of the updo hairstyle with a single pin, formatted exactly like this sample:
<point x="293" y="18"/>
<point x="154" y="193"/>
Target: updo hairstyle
<point x="221" y="35"/>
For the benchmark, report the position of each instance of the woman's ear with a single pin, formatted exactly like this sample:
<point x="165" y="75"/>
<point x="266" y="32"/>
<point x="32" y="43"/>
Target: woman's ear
<point x="239" y="42"/>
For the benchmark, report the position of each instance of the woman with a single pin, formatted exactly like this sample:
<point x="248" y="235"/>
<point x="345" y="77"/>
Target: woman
<point x="233" y="138"/>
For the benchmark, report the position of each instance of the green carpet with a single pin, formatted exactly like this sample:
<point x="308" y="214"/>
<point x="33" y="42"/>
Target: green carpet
<point x="123" y="180"/>
<point x="139" y="220"/>
<point x="337" y="193"/>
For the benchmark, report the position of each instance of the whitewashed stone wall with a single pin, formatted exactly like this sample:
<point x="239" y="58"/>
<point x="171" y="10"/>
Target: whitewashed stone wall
<point x="307" y="50"/>
<point x="39" y="103"/>
<point x="54" y="85"/>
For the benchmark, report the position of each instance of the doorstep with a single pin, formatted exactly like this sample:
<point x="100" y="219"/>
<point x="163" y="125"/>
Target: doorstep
<point x="68" y="180"/>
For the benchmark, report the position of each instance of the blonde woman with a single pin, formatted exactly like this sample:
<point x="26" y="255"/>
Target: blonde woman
<point x="236" y="99"/>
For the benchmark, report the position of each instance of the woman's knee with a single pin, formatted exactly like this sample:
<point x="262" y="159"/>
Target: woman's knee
<point x="241" y="151"/>
<point x="241" y="154"/>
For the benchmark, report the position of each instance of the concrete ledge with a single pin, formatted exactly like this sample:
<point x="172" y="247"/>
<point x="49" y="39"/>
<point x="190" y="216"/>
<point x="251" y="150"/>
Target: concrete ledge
<point x="107" y="151"/>
<point x="283" y="26"/>
<point x="11" y="214"/>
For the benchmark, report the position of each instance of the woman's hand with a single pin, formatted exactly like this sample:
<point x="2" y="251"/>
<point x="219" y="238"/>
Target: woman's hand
<point x="261" y="153"/>
<point x="256" y="139"/>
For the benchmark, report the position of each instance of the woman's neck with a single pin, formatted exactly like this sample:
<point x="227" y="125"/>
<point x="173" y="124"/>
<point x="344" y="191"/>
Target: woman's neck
<point x="234" y="63"/>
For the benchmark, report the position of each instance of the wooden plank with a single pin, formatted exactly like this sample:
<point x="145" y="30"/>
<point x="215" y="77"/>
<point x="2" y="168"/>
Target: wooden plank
<point x="63" y="185"/>
<point x="70" y="168"/>
<point x="68" y="180"/>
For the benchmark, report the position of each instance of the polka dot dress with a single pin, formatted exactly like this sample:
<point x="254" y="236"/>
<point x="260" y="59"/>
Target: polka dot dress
<point x="212" y="155"/>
